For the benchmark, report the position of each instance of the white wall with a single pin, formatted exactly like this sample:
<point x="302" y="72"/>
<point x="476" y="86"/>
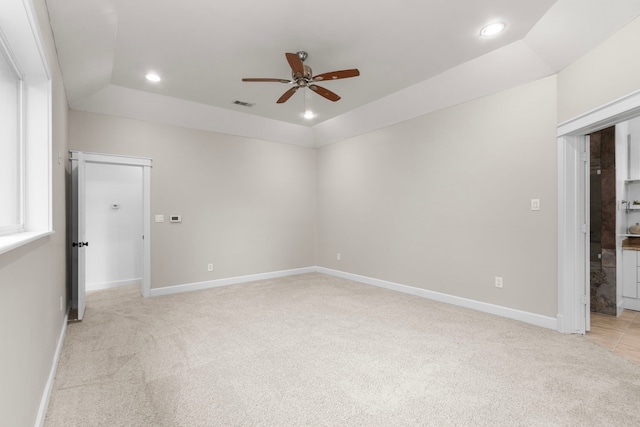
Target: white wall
<point x="442" y="202"/>
<point x="114" y="255"/>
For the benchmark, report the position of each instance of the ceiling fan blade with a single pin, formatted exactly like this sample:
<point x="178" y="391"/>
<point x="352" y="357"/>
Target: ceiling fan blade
<point x="266" y="80"/>
<point x="296" y="64"/>
<point x="334" y="75"/>
<point x="324" y="92"/>
<point x="288" y="94"/>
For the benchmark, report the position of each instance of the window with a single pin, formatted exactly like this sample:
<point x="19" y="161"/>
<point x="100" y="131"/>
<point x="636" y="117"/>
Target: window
<point x="11" y="147"/>
<point x="25" y="128"/>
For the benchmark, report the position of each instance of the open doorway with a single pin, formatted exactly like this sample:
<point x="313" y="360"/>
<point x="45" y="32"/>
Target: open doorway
<point x="101" y="168"/>
<point x="574" y="254"/>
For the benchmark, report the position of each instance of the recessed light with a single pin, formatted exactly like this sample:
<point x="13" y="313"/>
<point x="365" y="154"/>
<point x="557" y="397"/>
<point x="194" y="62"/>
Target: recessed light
<point x="308" y="114"/>
<point x="152" y="77"/>
<point x="493" y="29"/>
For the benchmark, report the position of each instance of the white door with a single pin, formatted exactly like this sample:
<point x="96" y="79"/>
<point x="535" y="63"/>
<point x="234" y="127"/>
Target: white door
<point x="79" y="245"/>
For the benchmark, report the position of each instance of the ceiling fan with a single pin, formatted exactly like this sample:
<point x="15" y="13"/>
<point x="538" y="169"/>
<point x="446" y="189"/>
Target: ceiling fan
<point x="302" y="76"/>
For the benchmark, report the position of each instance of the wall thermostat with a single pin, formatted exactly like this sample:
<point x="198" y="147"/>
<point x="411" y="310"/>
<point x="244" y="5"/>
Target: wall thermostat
<point x="175" y="218"/>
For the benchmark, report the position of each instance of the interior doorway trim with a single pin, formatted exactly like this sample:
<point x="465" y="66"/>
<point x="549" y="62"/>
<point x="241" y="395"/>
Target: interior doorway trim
<point x="146" y="164"/>
<point x="573" y="228"/>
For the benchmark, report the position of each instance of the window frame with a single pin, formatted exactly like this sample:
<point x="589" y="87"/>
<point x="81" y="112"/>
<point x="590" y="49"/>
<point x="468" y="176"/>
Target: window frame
<point x="23" y="41"/>
<point x="6" y="53"/>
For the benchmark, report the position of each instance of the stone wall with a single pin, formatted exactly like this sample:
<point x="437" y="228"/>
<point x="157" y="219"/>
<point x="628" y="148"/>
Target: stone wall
<point x="603" y="221"/>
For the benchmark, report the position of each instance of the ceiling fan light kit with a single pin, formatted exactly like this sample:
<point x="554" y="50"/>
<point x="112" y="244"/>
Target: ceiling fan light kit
<point x="302" y="76"/>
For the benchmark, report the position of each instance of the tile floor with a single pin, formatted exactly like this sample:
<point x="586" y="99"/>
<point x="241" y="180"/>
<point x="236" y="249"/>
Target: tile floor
<point x="619" y="334"/>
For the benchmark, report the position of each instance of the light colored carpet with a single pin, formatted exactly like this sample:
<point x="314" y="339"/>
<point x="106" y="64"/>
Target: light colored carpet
<point x="318" y="350"/>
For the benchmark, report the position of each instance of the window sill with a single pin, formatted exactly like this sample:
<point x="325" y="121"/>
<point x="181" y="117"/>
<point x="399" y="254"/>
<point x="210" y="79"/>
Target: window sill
<point x="13" y="241"/>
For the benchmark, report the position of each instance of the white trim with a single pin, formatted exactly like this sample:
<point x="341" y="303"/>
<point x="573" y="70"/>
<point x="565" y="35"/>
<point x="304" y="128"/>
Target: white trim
<point x="176" y="289"/>
<point x="46" y="394"/>
<point x="620" y="110"/>
<point x="523" y="316"/>
<point x="109" y="285"/>
<point x="631" y="304"/>
<point x="146" y="243"/>
<point x="111" y="158"/>
<point x="571" y="239"/>
<point x="14" y="241"/>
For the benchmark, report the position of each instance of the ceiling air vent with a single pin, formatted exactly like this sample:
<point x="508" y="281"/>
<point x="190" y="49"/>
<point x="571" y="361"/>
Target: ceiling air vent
<point x="244" y="104"/>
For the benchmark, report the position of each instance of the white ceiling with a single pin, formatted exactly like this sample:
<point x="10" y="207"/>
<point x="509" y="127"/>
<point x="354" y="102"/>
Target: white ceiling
<point x="414" y="56"/>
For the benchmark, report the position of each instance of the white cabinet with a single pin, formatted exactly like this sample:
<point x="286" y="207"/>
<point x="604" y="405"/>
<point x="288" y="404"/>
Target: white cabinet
<point x="631" y="279"/>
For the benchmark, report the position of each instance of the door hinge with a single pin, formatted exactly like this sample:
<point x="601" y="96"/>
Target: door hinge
<point x="583" y="228"/>
<point x="583" y="299"/>
<point x="583" y="156"/>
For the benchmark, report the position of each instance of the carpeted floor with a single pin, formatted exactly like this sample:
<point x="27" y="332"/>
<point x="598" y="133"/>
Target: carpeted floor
<point x="319" y="350"/>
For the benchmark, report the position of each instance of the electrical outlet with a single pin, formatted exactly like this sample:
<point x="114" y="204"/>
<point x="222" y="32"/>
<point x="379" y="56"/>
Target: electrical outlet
<point x="209" y="267"/>
<point x="498" y="282"/>
<point x="60" y="303"/>
<point x="338" y="256"/>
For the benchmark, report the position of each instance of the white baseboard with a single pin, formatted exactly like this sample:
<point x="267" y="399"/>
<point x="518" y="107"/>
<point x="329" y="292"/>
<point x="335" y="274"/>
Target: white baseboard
<point x="168" y="290"/>
<point x="523" y="316"/>
<point x="632" y="304"/>
<point x="620" y="307"/>
<point x="560" y="324"/>
<point x="108" y="285"/>
<point x="46" y="394"/>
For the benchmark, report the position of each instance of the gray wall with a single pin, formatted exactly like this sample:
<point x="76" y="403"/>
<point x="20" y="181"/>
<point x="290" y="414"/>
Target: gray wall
<point x="442" y="202"/>
<point x="32" y="280"/>
<point x="247" y="206"/>
<point x="607" y="73"/>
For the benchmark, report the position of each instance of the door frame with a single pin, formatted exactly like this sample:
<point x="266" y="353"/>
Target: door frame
<point x="573" y="199"/>
<point x="146" y="164"/>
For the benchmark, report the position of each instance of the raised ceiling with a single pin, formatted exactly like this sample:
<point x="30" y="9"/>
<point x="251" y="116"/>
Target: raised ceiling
<point x="407" y="52"/>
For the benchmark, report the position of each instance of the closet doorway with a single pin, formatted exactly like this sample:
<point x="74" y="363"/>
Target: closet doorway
<point x="110" y="224"/>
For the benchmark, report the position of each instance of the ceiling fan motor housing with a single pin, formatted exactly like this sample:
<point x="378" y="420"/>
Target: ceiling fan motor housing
<point x="306" y="77"/>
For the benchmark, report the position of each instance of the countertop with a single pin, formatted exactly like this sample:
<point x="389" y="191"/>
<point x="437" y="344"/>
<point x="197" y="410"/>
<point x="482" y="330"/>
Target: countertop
<point x="631" y="244"/>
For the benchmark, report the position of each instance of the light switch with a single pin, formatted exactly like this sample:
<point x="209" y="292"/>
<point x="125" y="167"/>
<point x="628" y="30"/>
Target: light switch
<point x="535" y="204"/>
<point x="159" y="218"/>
